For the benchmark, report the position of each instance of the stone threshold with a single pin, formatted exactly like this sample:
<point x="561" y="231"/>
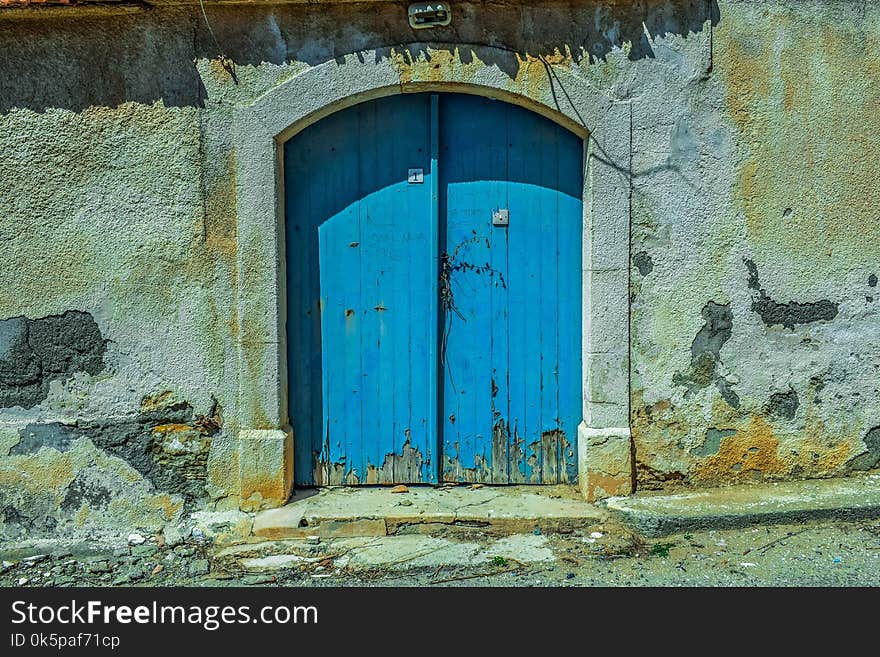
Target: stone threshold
<point x="651" y="515"/>
<point x="380" y="511"/>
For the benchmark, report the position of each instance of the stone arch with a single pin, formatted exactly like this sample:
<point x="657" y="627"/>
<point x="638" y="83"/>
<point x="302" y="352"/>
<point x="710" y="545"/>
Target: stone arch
<point x="556" y="90"/>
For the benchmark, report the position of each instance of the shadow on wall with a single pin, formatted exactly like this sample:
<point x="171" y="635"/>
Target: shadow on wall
<point x="74" y="60"/>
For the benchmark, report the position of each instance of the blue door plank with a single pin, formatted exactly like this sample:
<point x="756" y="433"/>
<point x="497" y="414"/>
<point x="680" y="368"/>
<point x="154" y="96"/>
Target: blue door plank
<point x="343" y="331"/>
<point x="302" y="316"/>
<point x="340" y="344"/>
<point x="551" y="305"/>
<point x="498" y="325"/>
<point x="372" y="274"/>
<point x="432" y="348"/>
<point x="542" y="449"/>
<point x="525" y="299"/>
<point x="570" y="326"/>
<point x="523" y="406"/>
<point x="308" y="197"/>
<point x="410" y="320"/>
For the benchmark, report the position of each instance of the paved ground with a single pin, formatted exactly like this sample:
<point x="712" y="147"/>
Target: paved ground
<point x="657" y="514"/>
<point x="814" y="554"/>
<point x="510" y="536"/>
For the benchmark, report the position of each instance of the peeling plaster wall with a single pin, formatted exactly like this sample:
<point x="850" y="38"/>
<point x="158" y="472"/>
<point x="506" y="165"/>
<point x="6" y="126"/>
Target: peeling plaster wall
<point x="755" y="231"/>
<point x="762" y="199"/>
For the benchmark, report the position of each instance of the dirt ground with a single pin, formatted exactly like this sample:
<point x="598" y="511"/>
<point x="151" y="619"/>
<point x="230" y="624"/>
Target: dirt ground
<point x="820" y="554"/>
<point x="815" y="554"/>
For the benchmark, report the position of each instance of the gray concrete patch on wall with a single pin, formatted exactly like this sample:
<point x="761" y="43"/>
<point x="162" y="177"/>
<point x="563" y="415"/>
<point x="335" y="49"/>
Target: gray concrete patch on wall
<point x="35" y="352"/>
<point x="713" y="441"/>
<point x="706" y="354"/>
<point x="783" y="404"/>
<point x="870" y="459"/>
<point x="787" y="314"/>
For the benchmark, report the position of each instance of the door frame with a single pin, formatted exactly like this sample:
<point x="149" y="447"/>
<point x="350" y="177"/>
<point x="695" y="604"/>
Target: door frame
<point x="265" y="451"/>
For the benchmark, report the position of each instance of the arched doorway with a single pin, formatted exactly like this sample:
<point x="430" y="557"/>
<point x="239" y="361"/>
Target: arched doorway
<point x="434" y="293"/>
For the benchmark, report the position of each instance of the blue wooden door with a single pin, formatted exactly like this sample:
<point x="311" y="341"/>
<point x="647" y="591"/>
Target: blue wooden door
<point x="426" y="340"/>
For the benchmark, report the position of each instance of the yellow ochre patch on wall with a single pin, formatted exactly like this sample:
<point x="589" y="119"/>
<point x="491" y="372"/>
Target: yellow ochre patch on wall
<point x="803" y="92"/>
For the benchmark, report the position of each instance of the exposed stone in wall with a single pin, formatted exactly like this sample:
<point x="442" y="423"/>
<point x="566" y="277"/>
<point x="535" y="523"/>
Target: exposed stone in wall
<point x="138" y="472"/>
<point x="81" y="492"/>
<point x="168" y="446"/>
<point x="35" y="352"/>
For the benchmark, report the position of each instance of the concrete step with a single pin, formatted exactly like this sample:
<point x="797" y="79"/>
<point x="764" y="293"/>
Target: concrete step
<point x="741" y="506"/>
<point x="497" y="510"/>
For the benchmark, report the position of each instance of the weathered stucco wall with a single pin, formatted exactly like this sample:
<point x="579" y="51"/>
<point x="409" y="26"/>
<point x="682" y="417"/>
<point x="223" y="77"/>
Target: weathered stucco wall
<point x="755" y="232"/>
<point x="756" y="244"/>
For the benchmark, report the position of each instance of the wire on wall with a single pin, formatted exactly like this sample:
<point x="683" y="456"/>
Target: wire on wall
<point x="226" y="62"/>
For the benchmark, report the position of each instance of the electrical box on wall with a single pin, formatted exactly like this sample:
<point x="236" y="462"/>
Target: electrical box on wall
<point x="429" y="14"/>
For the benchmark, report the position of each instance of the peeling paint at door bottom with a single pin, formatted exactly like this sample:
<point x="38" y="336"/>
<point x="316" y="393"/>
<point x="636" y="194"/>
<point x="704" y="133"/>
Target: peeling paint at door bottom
<point x="406" y="466"/>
